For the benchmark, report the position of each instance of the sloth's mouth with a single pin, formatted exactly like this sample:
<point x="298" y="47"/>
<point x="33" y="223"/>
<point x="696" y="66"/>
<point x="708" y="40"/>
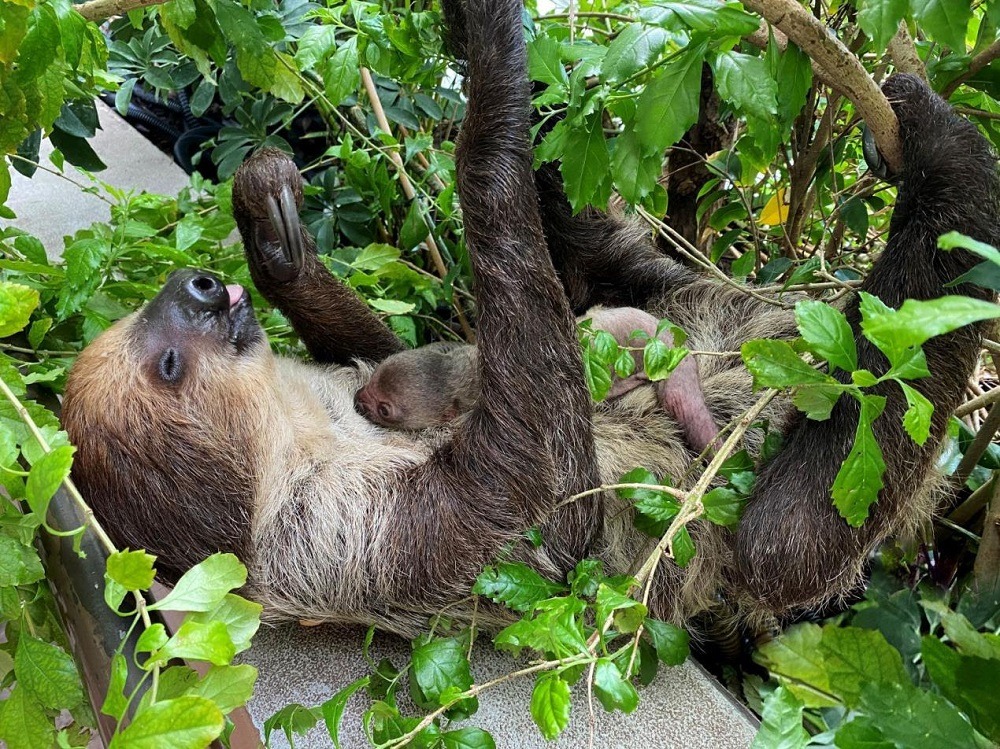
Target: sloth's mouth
<point x="244" y="330"/>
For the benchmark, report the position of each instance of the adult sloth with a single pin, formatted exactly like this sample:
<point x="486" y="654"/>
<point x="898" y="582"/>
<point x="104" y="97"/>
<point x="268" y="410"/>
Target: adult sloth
<point x="193" y="438"/>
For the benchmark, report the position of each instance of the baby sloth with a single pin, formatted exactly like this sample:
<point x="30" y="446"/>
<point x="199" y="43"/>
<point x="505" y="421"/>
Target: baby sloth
<point x="433" y="385"/>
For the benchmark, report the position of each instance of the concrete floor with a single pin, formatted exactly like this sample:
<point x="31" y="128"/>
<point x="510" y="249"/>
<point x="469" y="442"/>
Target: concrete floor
<point x="682" y="708"/>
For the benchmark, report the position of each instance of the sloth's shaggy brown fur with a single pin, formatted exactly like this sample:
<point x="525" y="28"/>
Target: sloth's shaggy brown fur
<point x="193" y="438"/>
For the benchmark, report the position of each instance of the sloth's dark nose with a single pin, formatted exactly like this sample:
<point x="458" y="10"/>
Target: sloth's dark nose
<point x="205" y="289"/>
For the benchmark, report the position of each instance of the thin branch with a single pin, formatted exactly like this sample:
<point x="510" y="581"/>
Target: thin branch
<point x="984" y="400"/>
<point x="979" y="445"/>
<point x="411" y="194"/>
<point x="986" y="570"/>
<point x="849" y="77"/>
<point x="976" y="64"/>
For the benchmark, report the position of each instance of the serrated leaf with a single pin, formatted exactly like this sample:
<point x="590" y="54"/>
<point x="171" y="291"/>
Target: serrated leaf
<point x="17" y="302"/>
<point x="745" y="82"/>
<point x="48" y="672"/>
<point x="392" y="306"/>
<point x="23" y="722"/>
<point x="855" y="657"/>
<point x="860" y="733"/>
<point x="659" y="359"/>
<point x="341" y="73"/>
<point x="672" y="643"/>
<point x="132" y="569"/>
<point x="683" y="547"/>
<point x="333" y="708"/>
<point x="205" y="585"/>
<point x="968" y="681"/>
<point x="198" y="641"/>
<point x="895" y="331"/>
<point x="414" y="229"/>
<point x="827" y="333"/>
<point x="545" y="61"/>
<point x="515" y="585"/>
<point x="291" y="719"/>
<point x="613" y="692"/>
<point x="315" y="44"/>
<point x="915" y="719"/>
<point x="634" y="168"/>
<point x="19" y="564"/>
<point x="796" y="660"/>
<point x="47" y="475"/>
<point x="186" y="721"/>
<point x="781" y="722"/>
<point x="439" y="665"/>
<point x="550" y="705"/>
<point x="635" y="47"/>
<point x="859" y="480"/>
<point x="241" y="617"/>
<point x="794" y="70"/>
<point x="669" y="104"/>
<point x="817" y="401"/>
<point x="917" y="419"/>
<point x="775" y="364"/>
<point x="115" y="702"/>
<point x="467" y="738"/>
<point x="723" y="506"/>
<point x="555" y="628"/>
<point x="588" y="166"/>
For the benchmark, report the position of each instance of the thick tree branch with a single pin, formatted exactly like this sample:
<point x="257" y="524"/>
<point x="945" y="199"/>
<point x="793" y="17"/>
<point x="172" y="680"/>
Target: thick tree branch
<point x="848" y="77"/>
<point x="98" y="10"/>
<point x="904" y="53"/>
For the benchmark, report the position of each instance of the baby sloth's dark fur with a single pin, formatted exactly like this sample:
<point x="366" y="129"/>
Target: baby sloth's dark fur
<point x="338" y="519"/>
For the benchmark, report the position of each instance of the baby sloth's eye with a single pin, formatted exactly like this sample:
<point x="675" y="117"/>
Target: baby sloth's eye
<point x="170" y="366"/>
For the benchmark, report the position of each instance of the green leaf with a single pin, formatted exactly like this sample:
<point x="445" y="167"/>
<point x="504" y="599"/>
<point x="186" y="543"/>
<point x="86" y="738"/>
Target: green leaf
<point x="392" y="306"/>
<point x="545" y="61"/>
<point x="554" y="629"/>
<point x="954" y="239"/>
<point x="610" y="600"/>
<point x="254" y="55"/>
<point x="315" y="44"/>
<point x="817" y="401"/>
<point x="19" y="564"/>
<point x="917" y="321"/>
<point x="635" y="47"/>
<point x="17" y="302"/>
<point x="204" y="586"/>
<point x="861" y="734"/>
<point x="341" y="73"/>
<point x="746" y="83"/>
<point x="241" y="617"/>
<point x="23" y="722"/>
<point x="291" y="719"/>
<point x="794" y="70"/>
<point x="723" y="506"/>
<point x="880" y="19"/>
<point x="439" y="665"/>
<point x="115" y="702"/>
<point x="47" y="475"/>
<point x="414" y="229"/>
<point x="944" y="20"/>
<point x="467" y="738"/>
<point x="550" y="704"/>
<point x="614" y="692"/>
<point x="197" y="641"/>
<point x="515" y="585"/>
<point x="915" y="719"/>
<point x="152" y="638"/>
<point x="672" y="643"/>
<point x="133" y="570"/>
<point x="827" y="333"/>
<point x="781" y="722"/>
<point x="669" y="104"/>
<point x="180" y="723"/>
<point x="855" y="657"/>
<point x="48" y="672"/>
<point x="586" y="169"/>
<point x="123" y="96"/>
<point x="333" y="708"/>
<point x="659" y="359"/>
<point x="796" y="660"/>
<point x="683" y="546"/>
<point x="775" y="364"/>
<point x="859" y="479"/>
<point x="40" y="45"/>
<point x="917" y="419"/>
<point x="229" y="687"/>
<point x="635" y="169"/>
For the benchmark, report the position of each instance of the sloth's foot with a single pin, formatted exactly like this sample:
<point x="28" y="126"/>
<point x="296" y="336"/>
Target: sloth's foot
<point x="267" y="195"/>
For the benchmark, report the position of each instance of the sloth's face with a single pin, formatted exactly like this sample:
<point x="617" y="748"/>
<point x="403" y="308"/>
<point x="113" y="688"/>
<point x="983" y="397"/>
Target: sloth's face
<point x="193" y="321"/>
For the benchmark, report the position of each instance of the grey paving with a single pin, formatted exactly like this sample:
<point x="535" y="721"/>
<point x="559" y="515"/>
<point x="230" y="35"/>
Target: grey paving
<point x="50" y="207"/>
<point x="682" y="709"/>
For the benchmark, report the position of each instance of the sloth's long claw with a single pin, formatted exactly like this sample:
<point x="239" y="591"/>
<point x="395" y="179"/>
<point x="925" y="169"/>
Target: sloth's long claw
<point x="872" y="156"/>
<point x="277" y="223"/>
<point x="293" y="229"/>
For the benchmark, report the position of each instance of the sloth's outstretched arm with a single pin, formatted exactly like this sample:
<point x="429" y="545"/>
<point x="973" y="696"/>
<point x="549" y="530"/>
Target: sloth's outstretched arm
<point x="793" y="549"/>
<point x="333" y="322"/>
<point x="528" y="443"/>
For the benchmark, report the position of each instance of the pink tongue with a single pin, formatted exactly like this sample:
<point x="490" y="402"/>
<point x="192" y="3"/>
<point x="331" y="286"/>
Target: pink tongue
<point x="235" y="293"/>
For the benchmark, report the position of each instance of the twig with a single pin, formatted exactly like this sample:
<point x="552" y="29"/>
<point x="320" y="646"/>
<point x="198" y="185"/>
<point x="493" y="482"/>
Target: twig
<point x="986" y="399"/>
<point x="986" y="569"/>
<point x="411" y="194"/>
<point x="962" y="514"/>
<point x="976" y="64"/>
<point x="849" y="77"/>
<point x="982" y="441"/>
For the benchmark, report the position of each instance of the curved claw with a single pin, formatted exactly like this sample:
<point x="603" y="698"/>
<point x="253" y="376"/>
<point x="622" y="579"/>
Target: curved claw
<point x="279" y="245"/>
<point x="873" y="158"/>
<point x="293" y="229"/>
